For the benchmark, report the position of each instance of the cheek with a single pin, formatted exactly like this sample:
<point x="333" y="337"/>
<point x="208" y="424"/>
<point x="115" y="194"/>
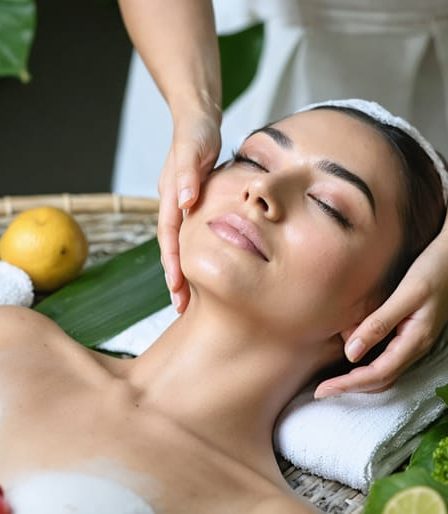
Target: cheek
<point x="317" y="261"/>
<point x="210" y="263"/>
<point x="220" y="193"/>
<point x="326" y="277"/>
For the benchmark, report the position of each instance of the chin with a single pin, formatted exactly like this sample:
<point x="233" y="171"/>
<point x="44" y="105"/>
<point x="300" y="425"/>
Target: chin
<point x="215" y="269"/>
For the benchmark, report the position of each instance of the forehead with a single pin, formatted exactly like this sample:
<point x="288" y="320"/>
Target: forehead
<point x="339" y="135"/>
<point x="352" y="143"/>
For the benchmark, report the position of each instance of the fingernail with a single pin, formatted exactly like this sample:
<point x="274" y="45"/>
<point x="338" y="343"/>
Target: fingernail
<point x="355" y="349"/>
<point x="175" y="300"/>
<point x="325" y="392"/>
<point x="185" y="195"/>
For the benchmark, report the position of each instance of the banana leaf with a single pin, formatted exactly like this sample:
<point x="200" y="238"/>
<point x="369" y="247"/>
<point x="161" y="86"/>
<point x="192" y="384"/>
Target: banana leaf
<point x="240" y="55"/>
<point x="111" y="296"/>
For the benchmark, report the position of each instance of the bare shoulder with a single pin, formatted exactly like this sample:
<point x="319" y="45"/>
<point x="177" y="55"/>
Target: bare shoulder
<point x="284" y="504"/>
<point x="35" y="343"/>
<point x="16" y="322"/>
<point x="29" y="333"/>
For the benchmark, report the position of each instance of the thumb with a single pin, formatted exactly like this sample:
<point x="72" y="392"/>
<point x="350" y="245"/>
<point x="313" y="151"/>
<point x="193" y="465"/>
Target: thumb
<point x="377" y="325"/>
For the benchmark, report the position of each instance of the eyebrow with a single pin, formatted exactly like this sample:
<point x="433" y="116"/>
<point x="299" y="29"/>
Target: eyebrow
<point x="336" y="170"/>
<point x="277" y="135"/>
<point x="329" y="167"/>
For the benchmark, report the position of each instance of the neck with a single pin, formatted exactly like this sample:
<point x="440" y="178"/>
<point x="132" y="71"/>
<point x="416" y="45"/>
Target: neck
<point x="225" y="377"/>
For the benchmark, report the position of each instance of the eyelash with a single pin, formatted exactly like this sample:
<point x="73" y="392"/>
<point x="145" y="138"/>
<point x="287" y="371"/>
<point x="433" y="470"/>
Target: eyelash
<point x="239" y="156"/>
<point x="344" y="222"/>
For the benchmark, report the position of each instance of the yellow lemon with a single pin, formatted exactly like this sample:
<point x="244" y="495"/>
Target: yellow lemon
<point x="48" y="244"/>
<point x="416" y="500"/>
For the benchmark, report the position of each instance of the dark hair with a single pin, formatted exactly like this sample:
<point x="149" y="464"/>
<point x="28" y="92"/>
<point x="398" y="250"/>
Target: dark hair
<point x="422" y="211"/>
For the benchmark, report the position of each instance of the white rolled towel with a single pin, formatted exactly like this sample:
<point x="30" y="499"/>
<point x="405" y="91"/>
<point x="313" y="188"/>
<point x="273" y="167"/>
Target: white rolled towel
<point x="16" y="287"/>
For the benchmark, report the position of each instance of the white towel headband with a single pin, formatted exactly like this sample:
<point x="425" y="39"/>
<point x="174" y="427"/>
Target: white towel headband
<point x="382" y="115"/>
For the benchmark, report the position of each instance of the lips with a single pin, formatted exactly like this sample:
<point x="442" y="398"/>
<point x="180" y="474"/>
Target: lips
<point x="241" y="232"/>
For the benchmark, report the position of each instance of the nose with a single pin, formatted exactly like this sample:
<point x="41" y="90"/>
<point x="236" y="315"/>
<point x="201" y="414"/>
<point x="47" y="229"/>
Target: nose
<point x="261" y="193"/>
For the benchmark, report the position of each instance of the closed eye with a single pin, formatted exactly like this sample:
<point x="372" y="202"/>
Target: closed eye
<point x="239" y="156"/>
<point x="345" y="223"/>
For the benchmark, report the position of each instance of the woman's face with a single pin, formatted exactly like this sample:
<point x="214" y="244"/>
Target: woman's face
<point x="321" y="190"/>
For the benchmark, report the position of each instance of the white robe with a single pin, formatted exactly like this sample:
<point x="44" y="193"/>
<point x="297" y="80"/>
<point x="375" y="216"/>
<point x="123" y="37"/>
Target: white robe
<point x="392" y="51"/>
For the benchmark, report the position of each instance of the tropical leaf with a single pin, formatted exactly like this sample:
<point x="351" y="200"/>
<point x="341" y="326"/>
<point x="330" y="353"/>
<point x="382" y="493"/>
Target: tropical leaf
<point x="17" y="26"/>
<point x="110" y="297"/>
<point x="384" y="488"/>
<point x="240" y="55"/>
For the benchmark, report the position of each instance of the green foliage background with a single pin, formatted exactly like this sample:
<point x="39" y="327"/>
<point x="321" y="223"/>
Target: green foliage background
<point x="17" y="28"/>
<point x="240" y="52"/>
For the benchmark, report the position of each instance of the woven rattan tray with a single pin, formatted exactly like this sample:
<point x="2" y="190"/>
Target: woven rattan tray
<point x="114" y="224"/>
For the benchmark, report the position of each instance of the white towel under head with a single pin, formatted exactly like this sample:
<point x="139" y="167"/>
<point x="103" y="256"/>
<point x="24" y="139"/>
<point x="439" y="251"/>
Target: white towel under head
<point x="379" y="113"/>
<point x="357" y="437"/>
<point x="353" y="438"/>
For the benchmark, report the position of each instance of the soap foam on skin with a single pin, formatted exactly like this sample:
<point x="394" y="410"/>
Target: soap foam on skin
<point x="64" y="492"/>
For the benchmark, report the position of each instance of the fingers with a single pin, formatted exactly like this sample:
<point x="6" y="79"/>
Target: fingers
<point x="193" y="158"/>
<point x="416" y="310"/>
<point x="195" y="147"/>
<point x="170" y="219"/>
<point x="176" y="188"/>
<point x="181" y="298"/>
<point x="168" y="236"/>
<point x="188" y="176"/>
<point x="405" y="349"/>
<point x="382" y="321"/>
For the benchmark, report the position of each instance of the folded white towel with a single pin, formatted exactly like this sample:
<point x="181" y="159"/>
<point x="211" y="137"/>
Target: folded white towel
<point x="16" y="287"/>
<point x="353" y="438"/>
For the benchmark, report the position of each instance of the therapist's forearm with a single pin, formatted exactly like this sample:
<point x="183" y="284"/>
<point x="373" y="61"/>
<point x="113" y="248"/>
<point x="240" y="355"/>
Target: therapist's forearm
<point x="177" y="42"/>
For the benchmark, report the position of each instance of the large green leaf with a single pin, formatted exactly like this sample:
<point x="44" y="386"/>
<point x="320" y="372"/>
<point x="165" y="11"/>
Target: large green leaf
<point x="17" y="25"/>
<point x="240" y="54"/>
<point x="111" y="296"/>
<point x="383" y="489"/>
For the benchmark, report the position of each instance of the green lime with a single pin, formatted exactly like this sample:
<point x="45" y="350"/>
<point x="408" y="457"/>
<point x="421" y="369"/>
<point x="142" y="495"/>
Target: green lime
<point x="416" y="500"/>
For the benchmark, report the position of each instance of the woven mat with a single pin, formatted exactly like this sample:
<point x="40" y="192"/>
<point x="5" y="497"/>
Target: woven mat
<point x="110" y="233"/>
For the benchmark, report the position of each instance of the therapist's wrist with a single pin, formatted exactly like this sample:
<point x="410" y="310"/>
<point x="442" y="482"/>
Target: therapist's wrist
<point x="201" y="103"/>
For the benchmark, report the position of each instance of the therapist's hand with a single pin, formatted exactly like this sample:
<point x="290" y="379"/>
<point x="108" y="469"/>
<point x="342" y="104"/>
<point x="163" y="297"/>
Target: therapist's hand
<point x="194" y="149"/>
<point x="418" y="310"/>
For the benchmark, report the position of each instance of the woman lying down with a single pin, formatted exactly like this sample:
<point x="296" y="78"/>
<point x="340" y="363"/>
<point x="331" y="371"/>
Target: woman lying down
<point x="303" y="233"/>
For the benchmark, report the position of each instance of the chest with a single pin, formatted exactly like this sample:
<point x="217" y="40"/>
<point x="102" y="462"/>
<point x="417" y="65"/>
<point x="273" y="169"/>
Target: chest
<point x="54" y="424"/>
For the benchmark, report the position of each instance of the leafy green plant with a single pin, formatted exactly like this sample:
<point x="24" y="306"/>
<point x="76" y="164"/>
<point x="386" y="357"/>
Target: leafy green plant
<point x="421" y="469"/>
<point x="440" y="461"/>
<point x="17" y="27"/>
